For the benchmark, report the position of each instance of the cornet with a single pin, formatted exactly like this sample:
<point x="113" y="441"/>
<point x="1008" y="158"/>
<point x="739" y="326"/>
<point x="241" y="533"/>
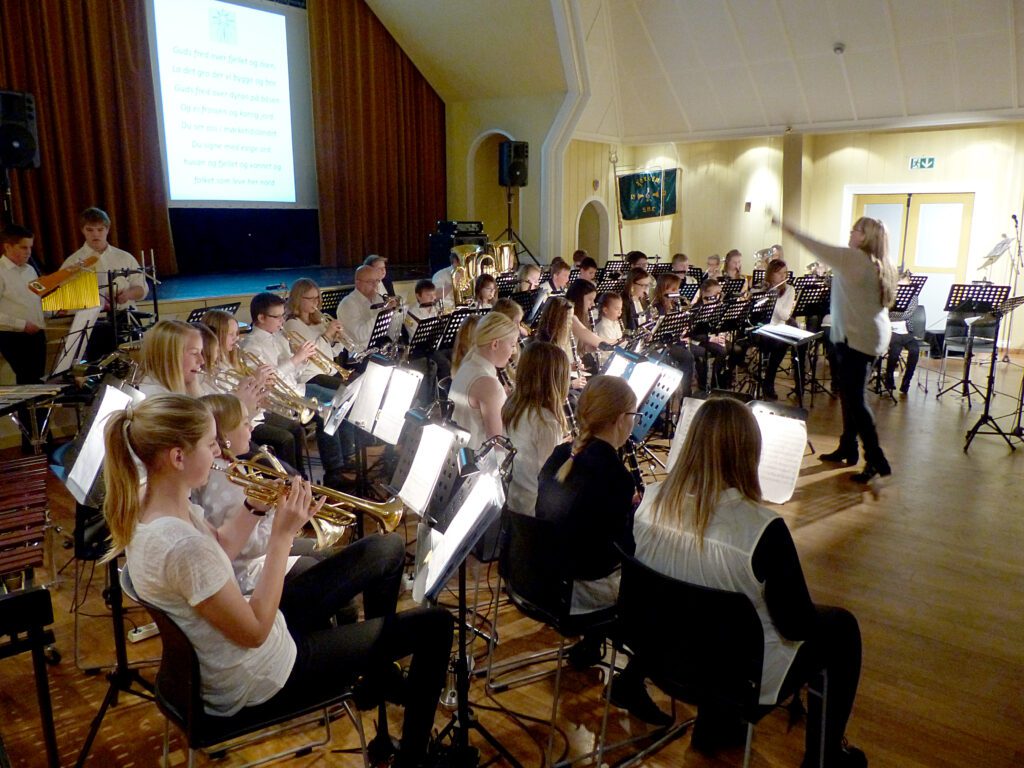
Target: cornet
<point x="318" y="358"/>
<point x="266" y="484"/>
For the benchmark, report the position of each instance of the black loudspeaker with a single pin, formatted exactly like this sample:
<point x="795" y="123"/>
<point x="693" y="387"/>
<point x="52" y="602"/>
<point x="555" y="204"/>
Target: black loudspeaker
<point x="19" y="142"/>
<point x="513" y="168"/>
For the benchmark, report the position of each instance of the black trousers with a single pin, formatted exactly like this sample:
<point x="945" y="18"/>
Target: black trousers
<point x="284" y="436"/>
<point x="835" y="648"/>
<point x="897" y="344"/>
<point x="26" y="354"/>
<point x="853" y="369"/>
<point x="330" y="659"/>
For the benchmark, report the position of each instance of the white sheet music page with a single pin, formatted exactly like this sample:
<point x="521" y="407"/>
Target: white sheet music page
<point x="465" y="519"/>
<point x="784" y="331"/>
<point x="435" y="444"/>
<point x="401" y="390"/>
<point x="90" y="459"/>
<point x="783" y="441"/>
<point x="642" y="380"/>
<point x="371" y="391"/>
<point x="686" y="414"/>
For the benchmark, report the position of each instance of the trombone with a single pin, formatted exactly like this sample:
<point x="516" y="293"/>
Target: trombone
<point x="318" y="358"/>
<point x="266" y="484"/>
<point x="281" y="399"/>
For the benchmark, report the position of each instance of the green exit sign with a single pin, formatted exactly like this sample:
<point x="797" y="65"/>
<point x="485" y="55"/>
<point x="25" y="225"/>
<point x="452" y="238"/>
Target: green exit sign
<point x="922" y="163"/>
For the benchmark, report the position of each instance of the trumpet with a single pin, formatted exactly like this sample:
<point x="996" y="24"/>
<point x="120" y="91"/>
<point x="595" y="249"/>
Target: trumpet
<point x="266" y="484"/>
<point x="318" y="358"/>
<point x="281" y="399"/>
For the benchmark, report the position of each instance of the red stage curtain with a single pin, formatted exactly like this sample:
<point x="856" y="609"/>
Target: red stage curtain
<point x="380" y="139"/>
<point x="87" y="63"/>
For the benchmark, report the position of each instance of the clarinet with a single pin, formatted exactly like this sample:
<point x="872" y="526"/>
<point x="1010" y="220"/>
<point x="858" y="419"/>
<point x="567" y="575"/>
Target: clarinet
<point x="633" y="464"/>
<point x="570" y="415"/>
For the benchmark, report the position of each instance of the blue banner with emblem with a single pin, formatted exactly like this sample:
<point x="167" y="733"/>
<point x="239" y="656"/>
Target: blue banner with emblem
<point x="647" y="194"/>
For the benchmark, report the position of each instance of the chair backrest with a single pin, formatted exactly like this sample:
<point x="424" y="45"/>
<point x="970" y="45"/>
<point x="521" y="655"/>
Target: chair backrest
<point x="178" y="683"/>
<point x="535" y="568"/>
<point x="919" y="322"/>
<point x="718" y="654"/>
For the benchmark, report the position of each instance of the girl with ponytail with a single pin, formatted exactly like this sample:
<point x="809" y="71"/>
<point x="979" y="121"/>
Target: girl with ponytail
<point x="585" y="488"/>
<point x="251" y="649"/>
<point x="476" y="391"/>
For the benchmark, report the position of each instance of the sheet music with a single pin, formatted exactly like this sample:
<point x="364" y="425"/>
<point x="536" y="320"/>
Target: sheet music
<point x="783" y="441"/>
<point x="457" y="537"/>
<point x="784" y="331"/>
<point x="617" y="365"/>
<point x="90" y="459"/>
<point x="782" y="449"/>
<point x="341" y="405"/>
<point x="435" y="445"/>
<point x="74" y="344"/>
<point x="642" y="380"/>
<point x="686" y="413"/>
<point x="371" y="392"/>
<point x="400" y="393"/>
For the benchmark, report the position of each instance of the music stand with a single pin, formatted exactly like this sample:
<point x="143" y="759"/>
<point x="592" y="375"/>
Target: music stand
<point x="381" y="328"/>
<point x="614" y="267"/>
<point x="659" y="268"/>
<point x="427" y="334"/>
<point x="672" y="327"/>
<point x="451" y="329"/>
<point x="758" y="276"/>
<point x="689" y="291"/>
<point x="986" y="419"/>
<point x="706" y="317"/>
<point x="475" y="507"/>
<point x="732" y="286"/>
<point x="813" y="296"/>
<point x="507" y="283"/>
<point x="762" y="308"/>
<point x="82" y="476"/>
<point x="525" y="299"/>
<point x="735" y="315"/>
<point x="611" y="285"/>
<point x="794" y="338"/>
<point x="331" y="298"/>
<point x="73" y="345"/>
<point x="973" y="299"/>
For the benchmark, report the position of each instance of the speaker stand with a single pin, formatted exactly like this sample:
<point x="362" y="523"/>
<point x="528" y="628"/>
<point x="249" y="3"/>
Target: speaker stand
<point x="510" y="233"/>
<point x="7" y="202"/>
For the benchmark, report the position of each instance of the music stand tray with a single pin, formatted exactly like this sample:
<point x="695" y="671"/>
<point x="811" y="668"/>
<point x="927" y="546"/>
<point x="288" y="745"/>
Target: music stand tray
<point x="688" y="291"/>
<point x="381" y="327"/>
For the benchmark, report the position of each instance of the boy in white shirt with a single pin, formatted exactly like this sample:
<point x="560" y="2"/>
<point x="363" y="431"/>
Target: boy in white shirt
<point x="22" y="338"/>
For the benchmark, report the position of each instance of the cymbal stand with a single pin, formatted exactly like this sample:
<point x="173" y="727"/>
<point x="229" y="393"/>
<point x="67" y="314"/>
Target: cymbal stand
<point x="986" y="418"/>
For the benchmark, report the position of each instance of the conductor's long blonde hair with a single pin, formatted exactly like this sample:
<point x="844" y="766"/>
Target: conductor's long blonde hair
<point x="603" y="401"/>
<point x="722" y="450"/>
<point x="160" y="423"/>
<point x="876" y="245"/>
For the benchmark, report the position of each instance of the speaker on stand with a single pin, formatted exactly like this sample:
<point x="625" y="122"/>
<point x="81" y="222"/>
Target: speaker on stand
<point x="513" y="172"/>
<point x="19" y="143"/>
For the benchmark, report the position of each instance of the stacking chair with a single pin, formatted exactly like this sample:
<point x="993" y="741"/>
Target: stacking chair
<point x="716" y="660"/>
<point x="179" y="696"/>
<point x="537" y="575"/>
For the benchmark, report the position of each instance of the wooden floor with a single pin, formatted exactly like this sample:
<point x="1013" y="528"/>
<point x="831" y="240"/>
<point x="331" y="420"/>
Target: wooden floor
<point x="934" y="571"/>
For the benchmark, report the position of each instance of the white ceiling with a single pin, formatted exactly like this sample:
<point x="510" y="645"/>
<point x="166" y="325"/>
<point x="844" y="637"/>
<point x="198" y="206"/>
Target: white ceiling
<point x="662" y="70"/>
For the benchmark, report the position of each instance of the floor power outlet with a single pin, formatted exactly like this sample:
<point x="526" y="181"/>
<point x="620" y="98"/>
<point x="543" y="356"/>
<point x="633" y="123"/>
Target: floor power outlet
<point x="144" y="632"/>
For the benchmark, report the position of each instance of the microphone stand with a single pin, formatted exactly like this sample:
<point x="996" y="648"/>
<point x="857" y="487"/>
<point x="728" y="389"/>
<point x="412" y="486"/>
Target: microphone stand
<point x="1015" y="269"/>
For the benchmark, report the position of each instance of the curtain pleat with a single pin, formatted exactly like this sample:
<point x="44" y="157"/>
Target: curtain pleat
<point x="379" y="132"/>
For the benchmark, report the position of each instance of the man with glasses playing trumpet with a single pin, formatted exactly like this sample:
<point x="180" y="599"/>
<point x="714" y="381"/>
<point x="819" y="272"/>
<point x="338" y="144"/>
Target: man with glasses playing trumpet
<point x="294" y="370"/>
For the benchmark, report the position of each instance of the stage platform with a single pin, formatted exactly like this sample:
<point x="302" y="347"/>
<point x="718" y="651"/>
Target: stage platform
<point x="200" y="287"/>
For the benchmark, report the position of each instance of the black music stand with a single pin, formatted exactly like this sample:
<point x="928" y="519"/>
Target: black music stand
<point x="427" y="334"/>
<point x="525" y="299"/>
<point x="454" y="323"/>
<point x="732" y="286"/>
<point x="507" y="283"/>
<point x="672" y="327"/>
<point x="611" y="285"/>
<point x="659" y="268"/>
<point x="707" y="317"/>
<point x="381" y="327"/>
<point x="734" y="316"/>
<point x="615" y="267"/>
<point x="689" y="291"/>
<point x="474" y="508"/>
<point x="762" y="308"/>
<point x="331" y="298"/>
<point x="696" y="273"/>
<point x="122" y="677"/>
<point x="758" y="277"/>
<point x="813" y="299"/>
<point x="973" y="299"/>
<point x="986" y="418"/>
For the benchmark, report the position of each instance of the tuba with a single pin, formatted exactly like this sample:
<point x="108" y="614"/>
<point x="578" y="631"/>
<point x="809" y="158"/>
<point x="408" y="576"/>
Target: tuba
<point x="266" y="484"/>
<point x="462" y="278"/>
<point x="503" y="256"/>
